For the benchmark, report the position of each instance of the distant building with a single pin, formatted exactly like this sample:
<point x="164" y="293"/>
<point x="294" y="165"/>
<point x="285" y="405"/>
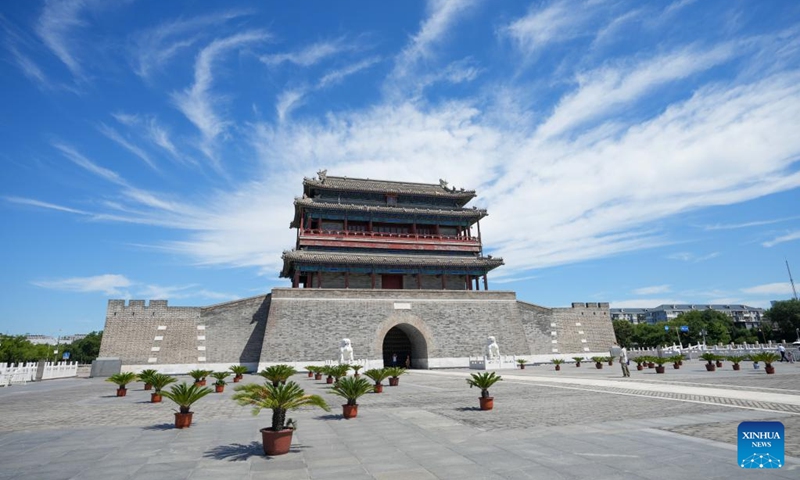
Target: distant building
<point x="50" y="340"/>
<point x="742" y="315"/>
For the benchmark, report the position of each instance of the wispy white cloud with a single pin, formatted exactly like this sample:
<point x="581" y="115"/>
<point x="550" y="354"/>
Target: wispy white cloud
<point x="56" y="27"/>
<point x="610" y="32"/>
<point x="108" y="284"/>
<point x="336" y="76"/>
<point x="80" y="160"/>
<point x="154" y="48"/>
<point x="288" y="100"/>
<point x="150" y="128"/>
<point x="47" y="205"/>
<point x="782" y="239"/>
<point x="652" y="290"/>
<point x="692" y="257"/>
<point x="134" y="149"/>
<point x="310" y="55"/>
<point x="197" y="102"/>
<point x="777" y="288"/>
<point x="548" y="23"/>
<point x="758" y="223"/>
<point x="645" y="302"/>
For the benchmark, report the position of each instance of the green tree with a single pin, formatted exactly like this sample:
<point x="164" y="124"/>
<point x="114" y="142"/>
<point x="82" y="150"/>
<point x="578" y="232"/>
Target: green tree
<point x="623" y="330"/>
<point x="86" y="349"/>
<point x="17" y="348"/>
<point x="785" y="316"/>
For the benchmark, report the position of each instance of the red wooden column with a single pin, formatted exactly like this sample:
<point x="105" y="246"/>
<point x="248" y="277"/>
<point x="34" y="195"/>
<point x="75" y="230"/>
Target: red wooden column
<point x="469" y="282"/>
<point x="485" y="283"/>
<point x="319" y="279"/>
<point x="372" y="277"/>
<point x="347" y="278"/>
<point x="444" y="281"/>
<point x="419" y="281"/>
<point x="296" y="279"/>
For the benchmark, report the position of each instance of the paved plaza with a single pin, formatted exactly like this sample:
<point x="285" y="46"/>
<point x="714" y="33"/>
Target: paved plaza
<point x="579" y="423"/>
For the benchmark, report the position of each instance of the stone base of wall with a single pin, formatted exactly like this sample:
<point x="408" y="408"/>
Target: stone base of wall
<point x="305" y="326"/>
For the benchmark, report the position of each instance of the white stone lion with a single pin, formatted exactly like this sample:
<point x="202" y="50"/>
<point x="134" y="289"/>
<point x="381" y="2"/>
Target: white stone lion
<point x="492" y="350"/>
<point x="345" y="351"/>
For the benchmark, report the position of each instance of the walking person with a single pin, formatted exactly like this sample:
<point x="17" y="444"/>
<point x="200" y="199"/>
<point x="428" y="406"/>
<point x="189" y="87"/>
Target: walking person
<point x="621" y="353"/>
<point x="782" y="351"/>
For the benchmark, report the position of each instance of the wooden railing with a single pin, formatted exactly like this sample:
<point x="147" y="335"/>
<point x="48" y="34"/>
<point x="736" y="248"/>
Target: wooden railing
<point x="365" y="234"/>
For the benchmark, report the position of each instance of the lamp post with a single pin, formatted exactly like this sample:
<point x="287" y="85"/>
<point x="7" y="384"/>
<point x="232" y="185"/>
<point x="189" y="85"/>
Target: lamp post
<point x="797" y="331"/>
<point x="703" y="333"/>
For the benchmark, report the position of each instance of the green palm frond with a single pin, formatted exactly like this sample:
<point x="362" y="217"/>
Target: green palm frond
<point x="122" y="379"/>
<point x="185" y="395"/>
<point x="159" y="381"/>
<point x="351" y="388"/>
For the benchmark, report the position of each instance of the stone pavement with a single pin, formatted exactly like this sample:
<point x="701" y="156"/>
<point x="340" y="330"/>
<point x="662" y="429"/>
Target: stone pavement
<point x="578" y="423"/>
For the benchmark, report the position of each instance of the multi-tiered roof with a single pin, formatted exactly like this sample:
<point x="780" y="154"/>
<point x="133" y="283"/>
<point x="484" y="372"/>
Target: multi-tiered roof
<point x="349" y="228"/>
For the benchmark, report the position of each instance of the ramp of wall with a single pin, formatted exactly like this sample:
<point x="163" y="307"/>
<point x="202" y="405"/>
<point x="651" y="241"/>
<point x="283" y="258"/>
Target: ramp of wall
<point x="234" y="331"/>
<point x="307" y="324"/>
<point x="538" y="325"/>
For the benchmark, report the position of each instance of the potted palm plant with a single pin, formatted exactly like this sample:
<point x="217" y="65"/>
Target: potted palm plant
<point x="199" y="377"/>
<point x="327" y="370"/>
<point x="318" y="373"/>
<point x="394" y="375"/>
<point x="356" y="367"/>
<point x="598" y="362"/>
<point x="278" y="373"/>
<point x="351" y="388"/>
<point x="281" y="398"/>
<point x="709" y="357"/>
<point x="719" y="359"/>
<point x="146" y="376"/>
<point x="578" y="361"/>
<point x="159" y="382"/>
<point x="484" y="380"/>
<point x="735" y="361"/>
<point x="640" y="361"/>
<point x="521" y="362"/>
<point x="310" y="370"/>
<point x="768" y="358"/>
<point x="557" y="362"/>
<point x="219" y="385"/>
<point x="660" y="361"/>
<point x="339" y="371"/>
<point x="185" y="396"/>
<point x="377" y="375"/>
<point x="238" y="372"/>
<point x="122" y="380"/>
<point x="676" y="360"/>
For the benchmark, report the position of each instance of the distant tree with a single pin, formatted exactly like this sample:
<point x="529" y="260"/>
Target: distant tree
<point x="785" y="316"/>
<point x="717" y="325"/>
<point x="647" y="335"/>
<point x="15" y="349"/>
<point x="86" y="349"/>
<point x="623" y="330"/>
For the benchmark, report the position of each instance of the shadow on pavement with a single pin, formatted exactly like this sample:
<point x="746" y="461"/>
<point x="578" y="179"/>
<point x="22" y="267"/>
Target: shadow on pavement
<point x="160" y="426"/>
<point x="236" y="452"/>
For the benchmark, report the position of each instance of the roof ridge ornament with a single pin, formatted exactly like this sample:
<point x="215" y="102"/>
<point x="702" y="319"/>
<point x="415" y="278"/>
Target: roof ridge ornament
<point x="322" y="174"/>
<point x="443" y="183"/>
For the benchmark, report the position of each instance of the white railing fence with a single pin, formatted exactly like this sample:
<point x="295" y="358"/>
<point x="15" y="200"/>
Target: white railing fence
<point x="22" y="373"/>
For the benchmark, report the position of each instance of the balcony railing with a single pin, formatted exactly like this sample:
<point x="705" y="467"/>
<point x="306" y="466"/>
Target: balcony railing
<point x="387" y="235"/>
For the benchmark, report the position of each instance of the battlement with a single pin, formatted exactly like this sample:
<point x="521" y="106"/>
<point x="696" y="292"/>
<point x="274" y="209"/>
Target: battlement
<point x="120" y="304"/>
<point x="590" y="305"/>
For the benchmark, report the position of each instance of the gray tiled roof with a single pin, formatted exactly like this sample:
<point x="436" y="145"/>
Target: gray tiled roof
<point x="471" y="213"/>
<point x="305" y="256"/>
<point x="386" y="186"/>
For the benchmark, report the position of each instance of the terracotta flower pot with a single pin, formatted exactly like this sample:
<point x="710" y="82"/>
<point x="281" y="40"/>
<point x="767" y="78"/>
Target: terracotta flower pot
<point x="487" y="403"/>
<point x="148" y="386"/>
<point x="577" y="364"/>
<point x="378" y="388"/>
<point x="155" y="398"/>
<point x="203" y="382"/>
<point x="219" y="388"/>
<point x="393" y="381"/>
<point x="639" y="366"/>
<point x="611" y="363"/>
<point x="310" y="374"/>
<point x="651" y="365"/>
<point x="349" y="411"/>
<point x="522" y="367"/>
<point x="710" y="367"/>
<point x="558" y="368"/>
<point x="736" y="366"/>
<point x="599" y="365"/>
<point x="276" y="443"/>
<point x="317" y="376"/>
<point x="661" y="369"/>
<point x="121" y="392"/>
<point x="183" y="420"/>
<point x="676" y="366"/>
<point x="769" y="369"/>
<point x="719" y="364"/>
<point x="237" y="378"/>
<point x="329" y="380"/>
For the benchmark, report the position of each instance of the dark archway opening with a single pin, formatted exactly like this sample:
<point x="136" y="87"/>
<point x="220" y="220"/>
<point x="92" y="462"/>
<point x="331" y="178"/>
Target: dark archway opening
<point x="408" y="344"/>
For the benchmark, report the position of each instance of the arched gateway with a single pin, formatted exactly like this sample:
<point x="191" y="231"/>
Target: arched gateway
<point x="405" y="340"/>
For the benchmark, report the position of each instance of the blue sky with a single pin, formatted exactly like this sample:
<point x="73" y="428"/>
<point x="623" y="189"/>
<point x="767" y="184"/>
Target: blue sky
<point x="632" y="152"/>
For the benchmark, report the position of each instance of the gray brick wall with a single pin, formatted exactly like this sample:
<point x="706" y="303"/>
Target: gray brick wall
<point x="306" y="324"/>
<point x="234" y="331"/>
